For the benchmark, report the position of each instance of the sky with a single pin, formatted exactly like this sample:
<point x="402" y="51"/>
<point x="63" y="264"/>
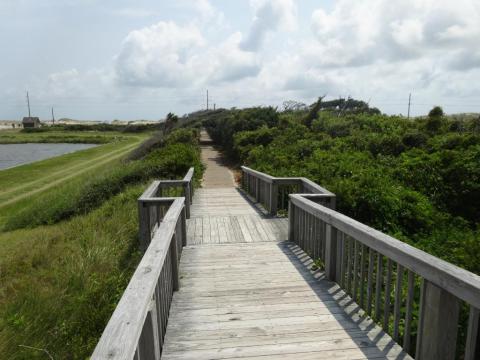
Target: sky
<point x="125" y="59"/>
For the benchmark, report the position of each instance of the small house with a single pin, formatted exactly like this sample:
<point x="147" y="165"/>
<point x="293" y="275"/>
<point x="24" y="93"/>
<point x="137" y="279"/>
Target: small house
<point x="31" y="122"/>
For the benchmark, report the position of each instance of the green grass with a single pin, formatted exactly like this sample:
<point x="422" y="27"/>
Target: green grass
<point x="84" y="137"/>
<point x="23" y="185"/>
<point x="60" y="283"/>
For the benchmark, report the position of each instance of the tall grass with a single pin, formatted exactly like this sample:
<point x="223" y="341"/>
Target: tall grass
<point x="61" y="282"/>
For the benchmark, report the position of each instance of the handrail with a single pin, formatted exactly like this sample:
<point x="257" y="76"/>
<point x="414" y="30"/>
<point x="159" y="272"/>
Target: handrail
<point x="138" y="324"/>
<point x="266" y="189"/>
<point x="388" y="278"/>
<point x="150" y="215"/>
<point x="464" y="284"/>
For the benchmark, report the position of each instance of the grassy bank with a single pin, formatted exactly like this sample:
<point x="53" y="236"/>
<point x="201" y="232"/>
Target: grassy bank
<point x="60" y="282"/>
<point x="61" y="136"/>
<point x="23" y="185"/>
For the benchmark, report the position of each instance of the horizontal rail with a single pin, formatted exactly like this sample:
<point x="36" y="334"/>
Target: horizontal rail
<point x="151" y="215"/>
<point x="415" y="296"/>
<point x="464" y="284"/>
<point x="272" y="192"/>
<point x="138" y="324"/>
<point x="121" y="337"/>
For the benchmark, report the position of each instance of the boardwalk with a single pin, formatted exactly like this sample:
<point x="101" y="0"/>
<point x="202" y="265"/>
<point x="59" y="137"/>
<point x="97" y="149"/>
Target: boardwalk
<point x="245" y="292"/>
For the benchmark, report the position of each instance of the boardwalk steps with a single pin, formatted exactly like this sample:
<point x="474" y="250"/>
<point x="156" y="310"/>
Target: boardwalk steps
<point x="234" y="281"/>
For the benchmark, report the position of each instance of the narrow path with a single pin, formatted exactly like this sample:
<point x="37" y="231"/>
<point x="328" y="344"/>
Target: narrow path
<point x="246" y="293"/>
<point x="216" y="175"/>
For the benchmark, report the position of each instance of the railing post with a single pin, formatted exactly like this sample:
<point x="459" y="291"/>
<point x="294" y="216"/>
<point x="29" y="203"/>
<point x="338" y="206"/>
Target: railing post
<point x="184" y="227"/>
<point x="188" y="198"/>
<point x="437" y="330"/>
<point x="149" y="344"/>
<point x="291" y="221"/>
<point x="331" y="253"/>
<point x="333" y="203"/>
<point x="144" y="225"/>
<point x="257" y="189"/>
<point x="472" y="348"/>
<point x="273" y="198"/>
<point x="174" y="257"/>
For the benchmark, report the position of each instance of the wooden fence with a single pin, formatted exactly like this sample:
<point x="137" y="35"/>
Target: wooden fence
<point x="137" y="327"/>
<point x="416" y="297"/>
<point x="272" y="192"/>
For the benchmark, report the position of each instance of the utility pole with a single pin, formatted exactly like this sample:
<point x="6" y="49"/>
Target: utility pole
<point x="207" y="99"/>
<point x="53" y="117"/>
<point x="214" y="106"/>
<point x="409" y="103"/>
<point x="28" y="104"/>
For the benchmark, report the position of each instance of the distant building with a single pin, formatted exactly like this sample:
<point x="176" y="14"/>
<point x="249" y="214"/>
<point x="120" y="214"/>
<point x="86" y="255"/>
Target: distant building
<point x="31" y="122"/>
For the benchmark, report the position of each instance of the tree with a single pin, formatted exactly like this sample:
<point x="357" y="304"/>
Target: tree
<point x="435" y="120"/>
<point x="170" y="122"/>
<point x="292" y="105"/>
<point x="437" y="111"/>
<point x="312" y="115"/>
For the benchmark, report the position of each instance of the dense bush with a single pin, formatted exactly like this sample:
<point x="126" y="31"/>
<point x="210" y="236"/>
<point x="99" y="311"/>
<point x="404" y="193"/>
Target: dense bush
<point x="417" y="180"/>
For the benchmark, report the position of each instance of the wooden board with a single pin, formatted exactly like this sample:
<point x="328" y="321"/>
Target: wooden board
<point x="260" y="300"/>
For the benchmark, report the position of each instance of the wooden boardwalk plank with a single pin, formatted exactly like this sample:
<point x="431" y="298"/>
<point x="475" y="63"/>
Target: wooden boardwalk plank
<point x="264" y="303"/>
<point x="247" y="293"/>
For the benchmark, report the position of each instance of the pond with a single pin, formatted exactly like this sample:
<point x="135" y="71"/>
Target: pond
<point x="18" y="154"/>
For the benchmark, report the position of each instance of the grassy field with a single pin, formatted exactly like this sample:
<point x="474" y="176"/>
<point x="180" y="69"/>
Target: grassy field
<point x="69" y="240"/>
<point x="21" y="185"/>
<point x="60" y="282"/>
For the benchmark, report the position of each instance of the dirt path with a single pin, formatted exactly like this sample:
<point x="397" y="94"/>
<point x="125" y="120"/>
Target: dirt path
<point x="217" y="174"/>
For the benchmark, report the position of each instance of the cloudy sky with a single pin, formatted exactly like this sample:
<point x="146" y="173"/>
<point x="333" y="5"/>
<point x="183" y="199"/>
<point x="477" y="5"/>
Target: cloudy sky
<point x="125" y="59"/>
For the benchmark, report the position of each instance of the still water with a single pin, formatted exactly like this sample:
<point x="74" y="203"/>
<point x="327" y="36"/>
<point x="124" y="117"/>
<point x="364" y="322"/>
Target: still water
<point x="18" y="154"/>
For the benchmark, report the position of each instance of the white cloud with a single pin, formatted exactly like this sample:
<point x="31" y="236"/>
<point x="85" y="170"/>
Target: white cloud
<point x="363" y="48"/>
<point x="170" y="55"/>
<point x="164" y="54"/>
<point x="231" y="63"/>
<point x="270" y="15"/>
<point x="368" y="31"/>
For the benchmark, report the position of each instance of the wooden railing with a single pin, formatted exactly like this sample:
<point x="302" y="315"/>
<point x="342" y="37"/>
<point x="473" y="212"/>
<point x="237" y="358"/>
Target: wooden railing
<point x="151" y="205"/>
<point x="416" y="297"/>
<point x="272" y="192"/>
<point x="137" y="327"/>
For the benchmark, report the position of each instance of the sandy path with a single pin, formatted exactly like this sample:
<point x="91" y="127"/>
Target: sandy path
<point x="217" y="174"/>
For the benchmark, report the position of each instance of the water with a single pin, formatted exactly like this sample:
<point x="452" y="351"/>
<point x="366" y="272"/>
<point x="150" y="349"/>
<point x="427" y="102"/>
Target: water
<point x="18" y="154"/>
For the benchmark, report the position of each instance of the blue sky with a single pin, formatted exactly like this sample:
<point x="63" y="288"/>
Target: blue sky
<point x="93" y="59"/>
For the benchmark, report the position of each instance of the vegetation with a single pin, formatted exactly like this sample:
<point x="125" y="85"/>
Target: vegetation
<point x="59" y="136"/>
<point x="61" y="281"/>
<point x="25" y="185"/>
<point x="418" y="180"/>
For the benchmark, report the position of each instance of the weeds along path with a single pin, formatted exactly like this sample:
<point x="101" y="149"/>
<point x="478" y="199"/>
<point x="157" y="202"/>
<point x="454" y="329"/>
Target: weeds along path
<point x="66" y="170"/>
<point x="96" y="164"/>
